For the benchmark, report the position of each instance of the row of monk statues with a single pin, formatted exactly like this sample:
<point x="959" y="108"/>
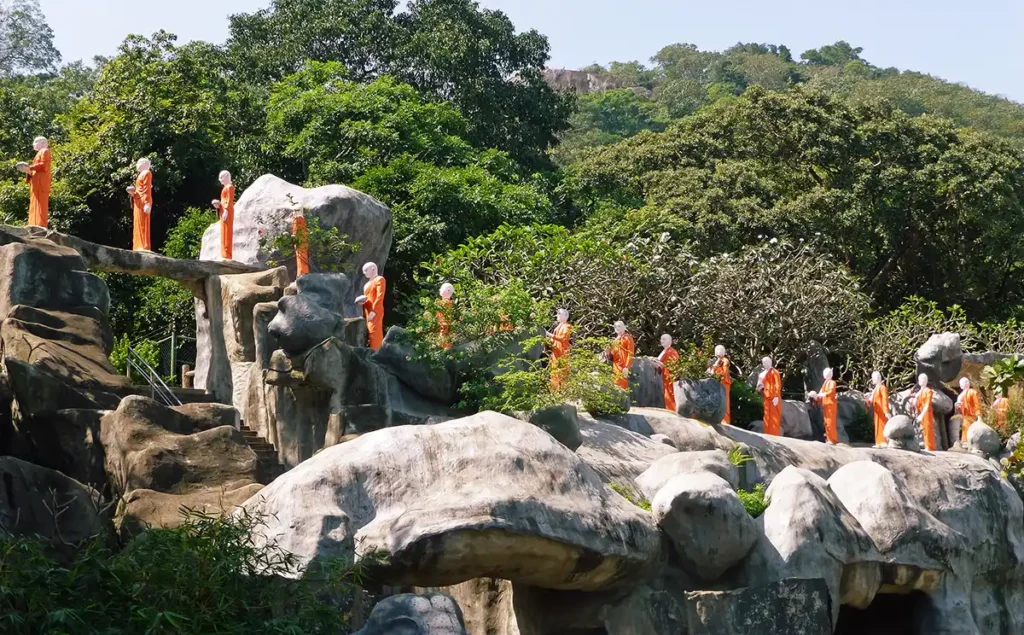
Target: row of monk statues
<point x="769" y="385"/>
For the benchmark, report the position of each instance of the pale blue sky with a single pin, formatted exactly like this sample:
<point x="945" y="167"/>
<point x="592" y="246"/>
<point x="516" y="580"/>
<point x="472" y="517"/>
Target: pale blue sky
<point x="978" y="42"/>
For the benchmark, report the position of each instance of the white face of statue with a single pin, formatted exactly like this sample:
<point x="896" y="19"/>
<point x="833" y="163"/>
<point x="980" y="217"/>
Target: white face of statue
<point x="370" y="270"/>
<point x="876" y="378"/>
<point x="620" y="328"/>
<point x="562" y="316"/>
<point x="719" y="351"/>
<point x="224" y="178"/>
<point x="447" y="291"/>
<point x="142" y="165"/>
<point x="40" y="143"/>
<point x="922" y="380"/>
<point x="666" y="341"/>
<point x="766" y="363"/>
<point x="965" y="383"/>
<point x="827" y="374"/>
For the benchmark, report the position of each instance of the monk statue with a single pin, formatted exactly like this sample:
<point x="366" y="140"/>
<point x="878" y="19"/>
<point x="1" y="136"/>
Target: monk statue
<point x="769" y="384"/>
<point x="300" y="231"/>
<point x="39" y="177"/>
<point x="720" y="369"/>
<point x="925" y="414"/>
<point x="622" y="352"/>
<point x="968" y="404"/>
<point x="667" y="356"/>
<point x="878" y="401"/>
<point x="225" y="207"/>
<point x="561" y="342"/>
<point x="829" y="406"/>
<point x="372" y="302"/>
<point x="444" y="316"/>
<point x="142" y="206"/>
<point x="1001" y="406"/>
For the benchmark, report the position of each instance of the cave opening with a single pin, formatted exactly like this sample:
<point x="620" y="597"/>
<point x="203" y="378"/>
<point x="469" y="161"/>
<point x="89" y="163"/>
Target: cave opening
<point x="888" y="614"/>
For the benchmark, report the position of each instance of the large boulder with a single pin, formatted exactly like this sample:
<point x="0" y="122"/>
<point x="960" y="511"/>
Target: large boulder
<point x="901" y="433"/>
<point x="941" y="357"/>
<point x="646" y="389"/>
<point x="265" y="209"/>
<point x="666" y="468"/>
<point x="398" y="355"/>
<point x="703" y="400"/>
<point x="786" y="607"/>
<point x="983" y="440"/>
<point x="796" y="420"/>
<point x="483" y="496"/>
<point x="561" y="422"/>
<point x="413" y="614"/>
<point x="619" y="455"/>
<point x="706" y="521"/>
<point x="161" y="461"/>
<point x="35" y="500"/>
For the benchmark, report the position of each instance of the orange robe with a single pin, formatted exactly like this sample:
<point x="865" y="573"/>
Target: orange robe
<point x="227" y="225"/>
<point x="880" y="406"/>
<point x="374" y="292"/>
<point x="772" y="388"/>
<point x="721" y="370"/>
<point x="622" y="359"/>
<point x="143" y="196"/>
<point x="1001" y="406"/>
<point x="39" y="179"/>
<point x="667" y="356"/>
<point x="923" y="403"/>
<point x="560" y="345"/>
<point x="444" y="337"/>
<point x="970" y="409"/>
<point x="830" y="406"/>
<point x="301" y="233"/>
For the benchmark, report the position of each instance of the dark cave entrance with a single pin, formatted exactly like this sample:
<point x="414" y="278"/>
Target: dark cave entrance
<point x="889" y="614"/>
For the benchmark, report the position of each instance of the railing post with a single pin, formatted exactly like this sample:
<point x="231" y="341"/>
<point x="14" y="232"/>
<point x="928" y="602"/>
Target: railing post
<point x="174" y="347"/>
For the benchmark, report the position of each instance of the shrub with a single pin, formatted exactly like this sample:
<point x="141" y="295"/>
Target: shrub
<point x="747" y="405"/>
<point x="1004" y="374"/>
<point x="208" y="575"/>
<point x="692" y="362"/>
<point x="627" y="493"/>
<point x="328" y="248"/>
<point x="146" y="349"/>
<point x="738" y="457"/>
<point x="754" y="501"/>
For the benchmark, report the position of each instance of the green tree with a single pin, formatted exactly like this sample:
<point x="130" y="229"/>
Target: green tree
<point x="838" y="54"/>
<point x="26" y="40"/>
<point x="911" y="205"/>
<point x="607" y="117"/>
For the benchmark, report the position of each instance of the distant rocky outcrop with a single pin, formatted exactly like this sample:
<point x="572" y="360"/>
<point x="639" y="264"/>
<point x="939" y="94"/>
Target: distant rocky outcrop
<point x="582" y="82"/>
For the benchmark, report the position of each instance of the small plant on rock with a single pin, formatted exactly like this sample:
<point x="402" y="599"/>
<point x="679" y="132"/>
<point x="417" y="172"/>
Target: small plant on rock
<point x="754" y="501"/>
<point x="328" y="248"/>
<point x="627" y="493"/>
<point x="738" y="457"/>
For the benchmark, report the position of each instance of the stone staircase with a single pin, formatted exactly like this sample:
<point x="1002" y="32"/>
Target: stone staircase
<point x="270" y="466"/>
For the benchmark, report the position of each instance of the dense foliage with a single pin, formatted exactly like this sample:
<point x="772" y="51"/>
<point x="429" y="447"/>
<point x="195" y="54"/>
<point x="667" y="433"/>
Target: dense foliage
<point x="208" y="575"/>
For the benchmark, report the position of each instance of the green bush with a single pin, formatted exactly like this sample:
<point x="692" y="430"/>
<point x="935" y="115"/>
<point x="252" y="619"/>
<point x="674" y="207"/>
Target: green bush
<point x="746" y="404"/>
<point x="862" y="428"/>
<point x="754" y="501"/>
<point x="208" y="575"/>
<point x="146" y="349"/>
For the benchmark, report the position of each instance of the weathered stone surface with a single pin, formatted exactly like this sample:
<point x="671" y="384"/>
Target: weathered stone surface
<point x="37" y="500"/>
<point x="225" y="331"/>
<point x="561" y="422"/>
<point x="983" y="440"/>
<point x="412" y="614"/>
<point x="703" y="400"/>
<point x="786" y="607"/>
<point x="67" y="441"/>
<point x="661" y="438"/>
<point x="265" y="206"/>
<point x="36" y="391"/>
<point x="666" y="468"/>
<point x="796" y="422"/>
<point x="483" y="496"/>
<point x="706" y="521"/>
<point x="618" y="455"/>
<point x="940" y="357"/>
<point x="645" y="386"/>
<point x="158" y="460"/>
<point x="901" y="432"/>
<point x="302" y="322"/>
<point x="398" y="356"/>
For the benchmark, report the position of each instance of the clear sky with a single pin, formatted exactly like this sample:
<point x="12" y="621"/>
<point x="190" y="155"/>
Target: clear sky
<point x="977" y="42"/>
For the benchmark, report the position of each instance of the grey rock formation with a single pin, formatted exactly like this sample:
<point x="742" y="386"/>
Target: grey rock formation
<point x="796" y="422"/>
<point x="901" y="431"/>
<point x="940" y="357"/>
<point x="414" y="614"/>
<point x="696" y="462"/>
<point x="561" y="422"/>
<point x="40" y="501"/>
<point x="312" y="315"/>
<point x="397" y="355"/>
<point x="483" y="496"/>
<point x="645" y="386"/>
<point x="160" y="460"/>
<point x="703" y="400"/>
<point x="661" y="438"/>
<point x="617" y="454"/>
<point x="983" y="440"/>
<point x="706" y="521"/>
<point x="814" y="366"/>
<point x="786" y="607"/>
<point x="581" y="82"/>
<point x="265" y="206"/>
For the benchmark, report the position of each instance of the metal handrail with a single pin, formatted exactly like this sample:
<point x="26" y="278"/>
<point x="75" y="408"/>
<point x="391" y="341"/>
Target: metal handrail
<point x="160" y="390"/>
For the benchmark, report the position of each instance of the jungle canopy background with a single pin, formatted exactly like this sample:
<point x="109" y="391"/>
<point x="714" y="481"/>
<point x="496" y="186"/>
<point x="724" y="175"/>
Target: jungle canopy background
<point x="759" y="198"/>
